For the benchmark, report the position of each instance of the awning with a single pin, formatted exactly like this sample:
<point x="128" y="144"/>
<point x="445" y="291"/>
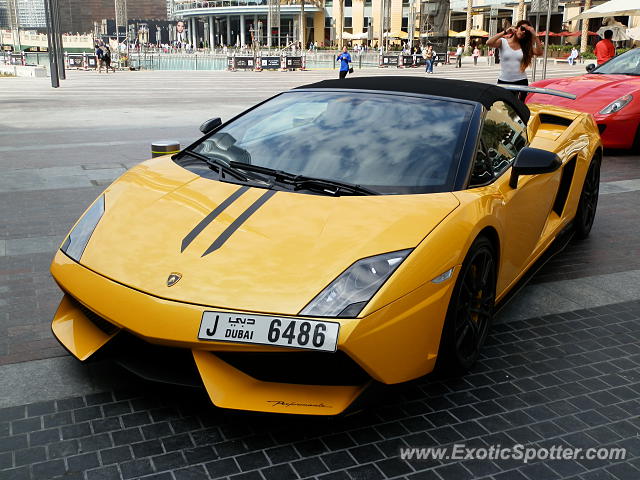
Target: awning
<point x="576" y="34"/>
<point x="473" y="33"/>
<point x="611" y="9"/>
<point x="396" y="35"/>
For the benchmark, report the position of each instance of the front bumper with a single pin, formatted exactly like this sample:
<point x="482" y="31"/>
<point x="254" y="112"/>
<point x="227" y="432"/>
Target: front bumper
<point x="393" y="344"/>
<point x="617" y="131"/>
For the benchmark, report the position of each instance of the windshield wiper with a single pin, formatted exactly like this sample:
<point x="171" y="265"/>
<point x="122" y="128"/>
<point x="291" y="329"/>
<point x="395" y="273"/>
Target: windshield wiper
<point x="333" y="187"/>
<point x="218" y="165"/>
<point x="300" y="182"/>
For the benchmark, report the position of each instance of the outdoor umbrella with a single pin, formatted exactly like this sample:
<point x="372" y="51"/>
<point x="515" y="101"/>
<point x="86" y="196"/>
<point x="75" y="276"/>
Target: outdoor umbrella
<point x="612" y="8"/>
<point x="619" y="32"/>
<point x="358" y="36"/>
<point x="634" y="33"/>
<point x="452" y="33"/>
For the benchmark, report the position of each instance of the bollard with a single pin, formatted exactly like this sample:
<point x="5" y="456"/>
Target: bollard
<point x="167" y="147"/>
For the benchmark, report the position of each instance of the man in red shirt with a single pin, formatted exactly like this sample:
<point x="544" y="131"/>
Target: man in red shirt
<point x="605" y="50"/>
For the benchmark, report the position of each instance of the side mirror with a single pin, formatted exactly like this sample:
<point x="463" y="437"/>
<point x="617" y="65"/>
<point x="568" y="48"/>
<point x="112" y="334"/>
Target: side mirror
<point x="210" y="124"/>
<point x="590" y="68"/>
<point x="533" y="161"/>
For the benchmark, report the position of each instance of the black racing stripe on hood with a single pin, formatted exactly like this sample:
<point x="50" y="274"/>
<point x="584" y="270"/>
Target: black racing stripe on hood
<point x="211" y="217"/>
<point x="224" y="236"/>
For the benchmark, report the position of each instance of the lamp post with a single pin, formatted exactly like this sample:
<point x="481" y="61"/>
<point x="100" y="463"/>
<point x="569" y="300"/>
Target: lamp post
<point x="53" y="54"/>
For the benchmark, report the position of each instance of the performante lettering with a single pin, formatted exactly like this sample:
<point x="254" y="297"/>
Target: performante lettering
<point x="282" y="403"/>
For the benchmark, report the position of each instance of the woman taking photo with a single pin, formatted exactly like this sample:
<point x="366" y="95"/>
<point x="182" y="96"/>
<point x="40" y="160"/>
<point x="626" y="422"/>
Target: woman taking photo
<point x="517" y="45"/>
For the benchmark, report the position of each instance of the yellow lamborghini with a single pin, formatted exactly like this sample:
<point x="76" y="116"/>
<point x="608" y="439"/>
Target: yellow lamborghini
<point x="336" y="235"/>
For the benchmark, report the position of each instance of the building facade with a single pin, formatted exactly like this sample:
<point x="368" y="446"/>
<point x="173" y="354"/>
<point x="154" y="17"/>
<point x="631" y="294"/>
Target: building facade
<point x="31" y="13"/>
<point x="244" y="22"/>
<point x="78" y="16"/>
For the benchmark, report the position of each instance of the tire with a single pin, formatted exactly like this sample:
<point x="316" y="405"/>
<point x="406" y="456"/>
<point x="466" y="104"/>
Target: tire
<point x="470" y="311"/>
<point x="588" y="200"/>
<point x="635" y="146"/>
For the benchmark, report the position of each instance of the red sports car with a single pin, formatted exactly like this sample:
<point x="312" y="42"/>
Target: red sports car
<point x="610" y="92"/>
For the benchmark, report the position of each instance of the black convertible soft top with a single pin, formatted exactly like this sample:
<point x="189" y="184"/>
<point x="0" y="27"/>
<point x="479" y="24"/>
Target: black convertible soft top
<point x="484" y="93"/>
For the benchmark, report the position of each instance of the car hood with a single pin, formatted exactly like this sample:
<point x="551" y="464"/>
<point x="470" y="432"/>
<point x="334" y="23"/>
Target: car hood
<point x="274" y="261"/>
<point x="594" y="91"/>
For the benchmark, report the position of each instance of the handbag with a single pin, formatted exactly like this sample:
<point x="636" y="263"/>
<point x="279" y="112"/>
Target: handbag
<point x="350" y="69"/>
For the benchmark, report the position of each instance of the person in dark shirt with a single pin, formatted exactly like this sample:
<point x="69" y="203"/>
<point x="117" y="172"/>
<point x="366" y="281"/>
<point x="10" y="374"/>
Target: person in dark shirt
<point x="344" y="59"/>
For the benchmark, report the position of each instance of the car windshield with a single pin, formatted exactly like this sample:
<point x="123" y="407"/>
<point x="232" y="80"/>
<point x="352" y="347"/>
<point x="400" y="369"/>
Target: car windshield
<point x="626" y="64"/>
<point x="392" y="144"/>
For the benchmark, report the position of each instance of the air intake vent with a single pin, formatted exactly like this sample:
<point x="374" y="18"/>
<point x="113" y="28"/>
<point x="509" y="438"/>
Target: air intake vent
<point x="554" y="120"/>
<point x="97" y="320"/>
<point x="310" y="368"/>
<point x="565" y="184"/>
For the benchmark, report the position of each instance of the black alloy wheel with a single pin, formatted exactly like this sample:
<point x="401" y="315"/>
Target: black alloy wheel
<point x="471" y="309"/>
<point x="588" y="200"/>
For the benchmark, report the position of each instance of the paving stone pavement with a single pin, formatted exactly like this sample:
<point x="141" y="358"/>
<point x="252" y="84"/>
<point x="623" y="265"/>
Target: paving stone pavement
<point x="564" y="379"/>
<point x="571" y="379"/>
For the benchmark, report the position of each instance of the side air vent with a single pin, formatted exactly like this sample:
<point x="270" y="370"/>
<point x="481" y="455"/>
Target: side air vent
<point x="565" y="185"/>
<point x="554" y="120"/>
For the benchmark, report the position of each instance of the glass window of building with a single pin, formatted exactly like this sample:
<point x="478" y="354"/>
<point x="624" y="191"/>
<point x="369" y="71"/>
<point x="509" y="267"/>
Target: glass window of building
<point x="348" y="22"/>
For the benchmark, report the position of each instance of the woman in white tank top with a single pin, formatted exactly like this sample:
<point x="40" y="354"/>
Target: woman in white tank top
<point x="518" y="45"/>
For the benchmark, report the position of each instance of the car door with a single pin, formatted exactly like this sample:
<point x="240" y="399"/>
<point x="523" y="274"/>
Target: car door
<point x="523" y="211"/>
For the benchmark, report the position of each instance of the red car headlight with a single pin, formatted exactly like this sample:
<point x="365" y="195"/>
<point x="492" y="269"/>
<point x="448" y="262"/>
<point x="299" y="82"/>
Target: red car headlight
<point x="617" y="105"/>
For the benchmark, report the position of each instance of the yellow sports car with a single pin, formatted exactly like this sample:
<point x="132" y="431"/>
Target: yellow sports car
<point x="336" y="235"/>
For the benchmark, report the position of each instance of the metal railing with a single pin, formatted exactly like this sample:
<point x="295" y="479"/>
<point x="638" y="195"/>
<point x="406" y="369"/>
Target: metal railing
<point x="178" y="7"/>
<point x="325" y="60"/>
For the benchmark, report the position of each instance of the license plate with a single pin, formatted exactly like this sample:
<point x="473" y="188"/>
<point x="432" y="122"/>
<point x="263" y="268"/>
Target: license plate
<point x="266" y="330"/>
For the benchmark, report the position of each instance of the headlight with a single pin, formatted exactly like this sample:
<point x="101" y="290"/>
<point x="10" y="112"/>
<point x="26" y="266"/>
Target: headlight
<point x="347" y="295"/>
<point x="618" y="105"/>
<point x="77" y="240"/>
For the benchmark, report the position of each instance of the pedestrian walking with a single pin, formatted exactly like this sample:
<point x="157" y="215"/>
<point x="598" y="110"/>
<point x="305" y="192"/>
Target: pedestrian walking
<point x="517" y="47"/>
<point x="427" y="54"/>
<point x="345" y="59"/>
<point x="476" y="54"/>
<point x="98" y="54"/>
<point x="459" y="56"/>
<point x="106" y="58"/>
